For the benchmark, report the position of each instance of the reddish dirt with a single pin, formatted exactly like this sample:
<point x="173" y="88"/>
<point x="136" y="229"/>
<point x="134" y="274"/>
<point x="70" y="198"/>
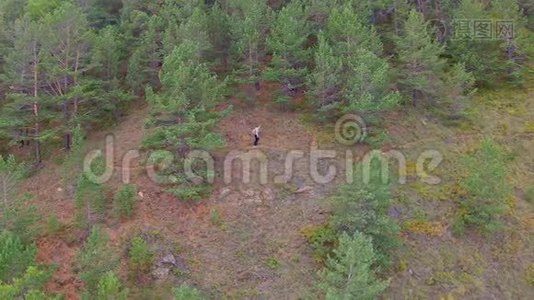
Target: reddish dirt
<point x="56" y="252"/>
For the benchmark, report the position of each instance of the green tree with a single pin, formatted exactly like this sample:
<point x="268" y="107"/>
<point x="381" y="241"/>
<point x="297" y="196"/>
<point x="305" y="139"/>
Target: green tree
<point x="185" y="292"/>
<point x="95" y="260"/>
<point x="326" y="80"/>
<point x="364" y="207"/>
<point x="89" y="197"/>
<point x="108" y="52"/>
<point x="421" y="69"/>
<point x="125" y="200"/>
<point x="140" y="256"/>
<point x="349" y="32"/>
<point x="27" y="286"/>
<point x="11" y="173"/>
<point x="287" y="43"/>
<point x="487" y="188"/>
<point x="15" y="257"/>
<point x="220" y="35"/>
<point x="368" y="87"/>
<point x="351" y="273"/>
<point x="110" y="288"/>
<point x="250" y="23"/>
<point x="483" y="58"/>
<point x="16" y="213"/>
<point x="194" y="28"/>
<point x="143" y="64"/>
<point x="25" y="111"/>
<point x="67" y="55"/>
<point x="183" y="115"/>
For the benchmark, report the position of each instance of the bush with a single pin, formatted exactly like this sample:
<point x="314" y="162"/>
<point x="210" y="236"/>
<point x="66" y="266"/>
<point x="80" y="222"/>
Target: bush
<point x="125" y="200"/>
<point x="53" y="225"/>
<point x="364" y="208"/>
<point x="140" y="256"/>
<point x="110" y="288"/>
<point x="90" y="201"/>
<point x="95" y="259"/>
<point x="20" y="217"/>
<point x="487" y="189"/>
<point x="350" y="271"/>
<point x="185" y="292"/>
<point x="322" y="239"/>
<point x="15" y="257"/>
<point x="27" y="286"/>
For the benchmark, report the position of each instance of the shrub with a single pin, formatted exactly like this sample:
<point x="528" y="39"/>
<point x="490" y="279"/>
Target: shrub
<point x="110" y="288"/>
<point x="15" y="257"/>
<point x="487" y="188"/>
<point x="185" y="292"/>
<point x="27" y="286"/>
<point x="350" y="271"/>
<point x="95" y="259"/>
<point x="90" y="201"/>
<point x="364" y="208"/>
<point x="140" y="256"/>
<point x="322" y="239"/>
<point x="125" y="200"/>
<point x="273" y="263"/>
<point x="20" y="217"/>
<point x="53" y="225"/>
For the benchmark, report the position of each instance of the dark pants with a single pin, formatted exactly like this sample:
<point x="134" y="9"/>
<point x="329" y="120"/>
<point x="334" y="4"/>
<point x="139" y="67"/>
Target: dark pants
<point x="256" y="140"/>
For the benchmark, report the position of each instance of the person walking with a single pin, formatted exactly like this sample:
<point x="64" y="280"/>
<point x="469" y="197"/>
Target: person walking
<point x="256" y="133"/>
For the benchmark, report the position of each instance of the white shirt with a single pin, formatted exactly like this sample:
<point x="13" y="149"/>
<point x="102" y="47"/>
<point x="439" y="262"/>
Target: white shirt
<point x="256" y="131"/>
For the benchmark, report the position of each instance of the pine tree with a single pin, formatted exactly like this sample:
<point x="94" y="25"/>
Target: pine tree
<point x="95" y="260"/>
<point x="15" y="257"/>
<point x="89" y="197"/>
<point x="482" y="58"/>
<point x="325" y="81"/>
<point x="368" y="84"/>
<point x="11" y="173"/>
<point x="67" y="56"/>
<point x="350" y="273"/>
<point x="182" y="111"/>
<point x="108" y="52"/>
<point x="487" y="188"/>
<point x="421" y="68"/>
<point x="364" y="207"/>
<point x="220" y="35"/>
<point x="348" y="32"/>
<point x="110" y="288"/>
<point x="514" y="47"/>
<point x="250" y="23"/>
<point x="194" y="28"/>
<point x="287" y="42"/>
<point x="144" y="62"/>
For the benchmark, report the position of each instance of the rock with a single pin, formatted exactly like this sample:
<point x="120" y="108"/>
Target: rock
<point x="169" y="259"/>
<point x="304" y="189"/>
<point x="161" y="272"/>
<point x="224" y="192"/>
<point x="267" y="194"/>
<point x="141" y="195"/>
<point x="249" y="193"/>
